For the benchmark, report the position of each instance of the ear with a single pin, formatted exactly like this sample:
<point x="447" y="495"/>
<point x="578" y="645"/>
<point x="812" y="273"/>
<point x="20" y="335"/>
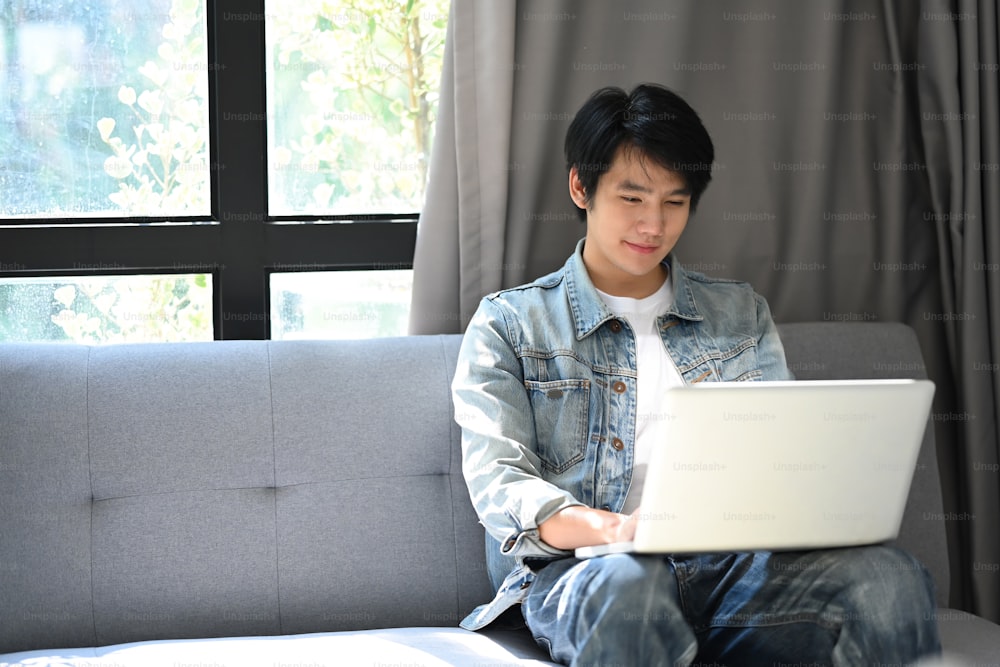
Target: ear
<point x="576" y="189"/>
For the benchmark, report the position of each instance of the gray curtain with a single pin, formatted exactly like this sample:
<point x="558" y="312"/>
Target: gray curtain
<point x="858" y="158"/>
<point x="460" y="235"/>
<point x="959" y="99"/>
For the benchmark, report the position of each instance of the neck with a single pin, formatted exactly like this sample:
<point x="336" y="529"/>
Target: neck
<point x="633" y="287"/>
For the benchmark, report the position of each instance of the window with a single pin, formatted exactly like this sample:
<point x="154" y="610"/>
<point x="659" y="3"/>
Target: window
<point x="352" y="94"/>
<point x="107" y="110"/>
<point x="340" y="304"/>
<point x="107" y="309"/>
<point x="243" y="152"/>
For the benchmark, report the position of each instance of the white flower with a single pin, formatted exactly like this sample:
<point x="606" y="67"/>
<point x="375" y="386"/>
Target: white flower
<point x="65" y="295"/>
<point x="151" y="102"/>
<point x="106" y="126"/>
<point x="117" y="167"/>
<point x="126" y="95"/>
<point x="282" y="156"/>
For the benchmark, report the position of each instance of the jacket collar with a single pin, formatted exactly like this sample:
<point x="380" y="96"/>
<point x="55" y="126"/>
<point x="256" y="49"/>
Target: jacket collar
<point x="590" y="311"/>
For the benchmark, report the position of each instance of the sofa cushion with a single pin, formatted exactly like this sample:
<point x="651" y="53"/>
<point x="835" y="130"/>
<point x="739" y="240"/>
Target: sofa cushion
<point x="402" y="647"/>
<point x="231" y="488"/>
<point x="45" y="508"/>
<point x="969" y="640"/>
<point x="374" y="524"/>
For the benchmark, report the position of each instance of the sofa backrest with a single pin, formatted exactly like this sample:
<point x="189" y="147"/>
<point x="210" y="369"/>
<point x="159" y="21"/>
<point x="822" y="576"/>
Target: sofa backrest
<point x="256" y="488"/>
<point x="231" y="488"/>
<point x="859" y="350"/>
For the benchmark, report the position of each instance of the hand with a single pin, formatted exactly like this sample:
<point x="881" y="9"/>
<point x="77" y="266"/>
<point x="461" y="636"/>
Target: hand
<point x="626" y="530"/>
<point x="580" y="526"/>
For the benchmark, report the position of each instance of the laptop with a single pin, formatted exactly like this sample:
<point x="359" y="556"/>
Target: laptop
<point x="780" y="465"/>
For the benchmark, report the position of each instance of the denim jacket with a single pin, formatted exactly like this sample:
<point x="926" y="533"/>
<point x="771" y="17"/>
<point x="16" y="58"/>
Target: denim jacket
<point x="544" y="393"/>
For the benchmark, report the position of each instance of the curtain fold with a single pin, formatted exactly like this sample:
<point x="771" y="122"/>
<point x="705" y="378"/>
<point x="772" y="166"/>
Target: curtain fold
<point x="857" y="178"/>
<point x="460" y="236"/>
<point x="960" y="114"/>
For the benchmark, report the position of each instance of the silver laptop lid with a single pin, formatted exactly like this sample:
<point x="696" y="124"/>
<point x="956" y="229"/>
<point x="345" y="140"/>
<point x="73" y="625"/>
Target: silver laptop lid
<point x="783" y="465"/>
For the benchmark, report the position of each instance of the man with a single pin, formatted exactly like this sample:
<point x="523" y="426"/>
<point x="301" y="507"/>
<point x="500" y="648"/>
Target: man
<point x="556" y="393"/>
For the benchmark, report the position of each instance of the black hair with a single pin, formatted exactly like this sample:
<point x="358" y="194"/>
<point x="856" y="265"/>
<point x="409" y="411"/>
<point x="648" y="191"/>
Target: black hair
<point x="652" y="119"/>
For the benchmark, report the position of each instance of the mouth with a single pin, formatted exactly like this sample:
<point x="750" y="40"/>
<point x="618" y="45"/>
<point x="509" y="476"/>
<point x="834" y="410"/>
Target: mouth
<point x="642" y="248"/>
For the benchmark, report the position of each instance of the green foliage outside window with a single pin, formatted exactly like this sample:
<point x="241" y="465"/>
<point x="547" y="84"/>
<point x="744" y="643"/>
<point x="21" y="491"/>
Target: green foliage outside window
<point x="352" y="84"/>
<point x="107" y="309"/>
<point x="352" y="106"/>
<point x="162" y="164"/>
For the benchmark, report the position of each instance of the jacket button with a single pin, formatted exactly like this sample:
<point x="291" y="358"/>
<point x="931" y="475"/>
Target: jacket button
<point x="525" y="584"/>
<point x="615" y="326"/>
<point x="618" y="444"/>
<point x="619" y="387"/>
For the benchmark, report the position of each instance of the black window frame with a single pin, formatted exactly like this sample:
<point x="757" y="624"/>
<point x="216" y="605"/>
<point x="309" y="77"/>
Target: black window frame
<point x="239" y="244"/>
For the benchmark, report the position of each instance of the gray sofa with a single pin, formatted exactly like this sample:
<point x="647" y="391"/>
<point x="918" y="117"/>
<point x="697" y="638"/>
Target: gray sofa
<point x="291" y="503"/>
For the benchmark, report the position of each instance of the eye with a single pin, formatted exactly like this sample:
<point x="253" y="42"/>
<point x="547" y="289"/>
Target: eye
<point x="631" y="200"/>
<point x="676" y="203"/>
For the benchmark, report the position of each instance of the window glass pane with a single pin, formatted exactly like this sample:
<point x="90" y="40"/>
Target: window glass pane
<point x="340" y="304"/>
<point x="107" y="309"/>
<point x="104" y="106"/>
<point x="352" y="97"/>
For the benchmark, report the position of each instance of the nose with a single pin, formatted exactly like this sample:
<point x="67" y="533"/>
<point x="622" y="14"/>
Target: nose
<point x="652" y="222"/>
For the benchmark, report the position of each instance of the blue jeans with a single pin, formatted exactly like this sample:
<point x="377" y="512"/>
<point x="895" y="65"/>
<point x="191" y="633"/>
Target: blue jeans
<point x="856" y="606"/>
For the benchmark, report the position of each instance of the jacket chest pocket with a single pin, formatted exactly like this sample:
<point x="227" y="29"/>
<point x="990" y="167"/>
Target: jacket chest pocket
<point x="561" y="410"/>
<point x="730" y="360"/>
<point x="737" y="362"/>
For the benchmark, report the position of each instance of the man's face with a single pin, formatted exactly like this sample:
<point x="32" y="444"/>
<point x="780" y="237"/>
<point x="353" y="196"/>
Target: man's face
<point x="634" y="219"/>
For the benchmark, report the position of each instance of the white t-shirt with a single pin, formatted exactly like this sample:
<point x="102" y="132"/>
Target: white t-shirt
<point x="656" y="371"/>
